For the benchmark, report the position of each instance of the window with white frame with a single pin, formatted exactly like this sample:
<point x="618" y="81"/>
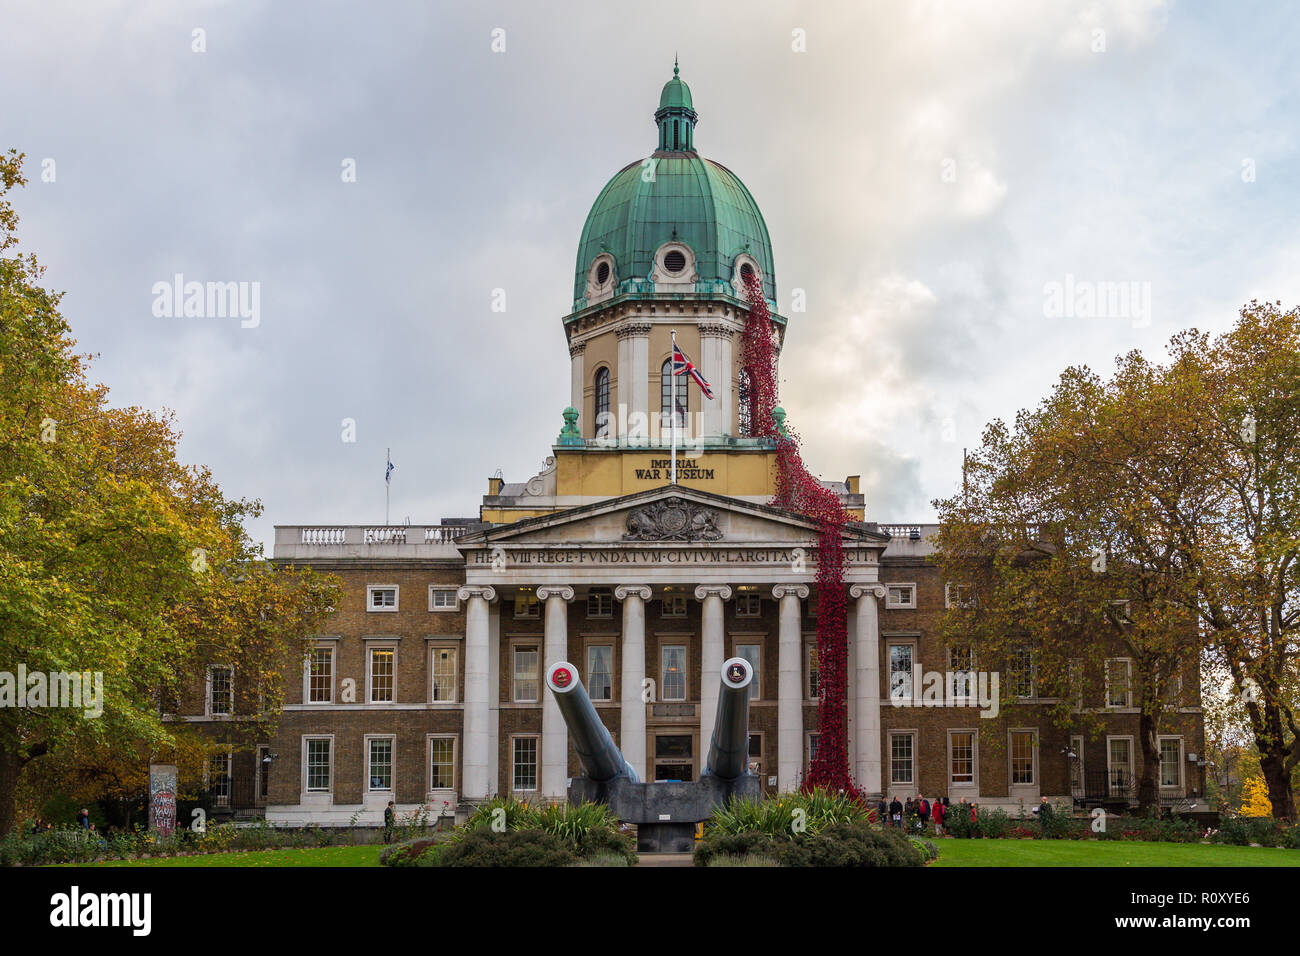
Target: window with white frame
<point x="383" y="674"/>
<point x="442" y="670"/>
<point x="1119" y="682"/>
<point x="672" y="679"/>
<point x="221" y="690"/>
<point x="381" y="597"/>
<point x="902" y="749"/>
<point x="1171" y="762"/>
<point x="749" y="604"/>
<point x="525" y="682"/>
<point x="813" y="685"/>
<point x="1119" y="765"/>
<point x="901" y="671"/>
<point x="1020" y="669"/>
<point x="218" y="777"/>
<point x="524" y="763"/>
<point x="961" y="671"/>
<point x="600" y="603"/>
<point x="958" y="595"/>
<point x="600" y="671"/>
<point x="317" y="763"/>
<point x="673" y="605"/>
<point x="379" y="771"/>
<point x="900" y="596"/>
<point x="526" y="605"/>
<point x="320" y="675"/>
<point x="1022" y="757"/>
<point x="961" y="757"/>
<point x="753" y="653"/>
<point x="442" y="763"/>
<point x="443" y="599"/>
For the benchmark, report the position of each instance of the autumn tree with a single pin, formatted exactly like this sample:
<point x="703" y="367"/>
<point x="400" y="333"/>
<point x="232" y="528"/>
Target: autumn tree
<point x="1176" y="484"/>
<point x="115" y="558"/>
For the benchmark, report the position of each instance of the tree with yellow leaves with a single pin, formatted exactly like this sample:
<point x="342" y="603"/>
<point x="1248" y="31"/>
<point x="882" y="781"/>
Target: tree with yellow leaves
<point x="115" y="558"/>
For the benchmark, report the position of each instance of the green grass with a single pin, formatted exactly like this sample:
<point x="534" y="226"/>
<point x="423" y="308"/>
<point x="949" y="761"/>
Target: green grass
<point x="314" y="856"/>
<point x="1107" y="853"/>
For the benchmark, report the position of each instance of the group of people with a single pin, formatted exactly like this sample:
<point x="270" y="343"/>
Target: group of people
<point x="922" y="811"/>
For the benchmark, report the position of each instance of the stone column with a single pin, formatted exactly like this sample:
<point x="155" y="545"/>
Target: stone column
<point x="631" y="735"/>
<point x="866" y="688"/>
<point x="790" y="686"/>
<point x="555" y="736"/>
<point x="711" y="657"/>
<point x="475" y="784"/>
<point x="577" y="384"/>
<point x="715" y="362"/>
<point x="634" y="377"/>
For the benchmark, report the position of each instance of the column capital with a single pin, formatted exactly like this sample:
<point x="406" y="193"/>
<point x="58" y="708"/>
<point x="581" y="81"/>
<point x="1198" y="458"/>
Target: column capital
<point x="487" y="593"/>
<point x="632" y="330"/>
<point x="577" y="348"/>
<point x="798" y="590"/>
<point x="547" y="591"/>
<point x="713" y="590"/>
<point x="625" y="591"/>
<point x="857" y="591"/>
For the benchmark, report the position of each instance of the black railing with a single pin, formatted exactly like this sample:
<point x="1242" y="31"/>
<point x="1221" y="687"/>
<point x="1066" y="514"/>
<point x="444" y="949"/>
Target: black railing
<point x="231" y="794"/>
<point x="1103" y="786"/>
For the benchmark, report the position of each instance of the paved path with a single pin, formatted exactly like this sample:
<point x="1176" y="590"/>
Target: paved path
<point x="665" y="859"/>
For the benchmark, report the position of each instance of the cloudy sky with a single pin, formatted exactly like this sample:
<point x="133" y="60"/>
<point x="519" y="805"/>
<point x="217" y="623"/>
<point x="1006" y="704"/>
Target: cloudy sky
<point x="934" y="175"/>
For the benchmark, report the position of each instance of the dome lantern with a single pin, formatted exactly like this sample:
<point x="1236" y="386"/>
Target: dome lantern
<point x="676" y="116"/>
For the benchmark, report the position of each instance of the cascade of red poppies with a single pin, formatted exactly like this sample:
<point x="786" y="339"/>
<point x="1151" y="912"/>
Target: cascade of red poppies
<point x="798" y="491"/>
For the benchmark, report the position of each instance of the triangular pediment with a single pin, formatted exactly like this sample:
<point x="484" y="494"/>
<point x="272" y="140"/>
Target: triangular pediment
<point x="669" y="515"/>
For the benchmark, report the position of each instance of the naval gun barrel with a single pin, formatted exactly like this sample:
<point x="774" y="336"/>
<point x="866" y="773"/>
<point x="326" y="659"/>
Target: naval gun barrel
<point x="601" y="758"/>
<point x="729" y="749"/>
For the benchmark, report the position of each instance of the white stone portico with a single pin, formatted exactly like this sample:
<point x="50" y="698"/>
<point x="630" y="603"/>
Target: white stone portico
<point x="694" y="542"/>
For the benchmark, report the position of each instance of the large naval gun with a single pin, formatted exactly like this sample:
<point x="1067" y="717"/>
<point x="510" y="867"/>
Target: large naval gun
<point x="665" y="814"/>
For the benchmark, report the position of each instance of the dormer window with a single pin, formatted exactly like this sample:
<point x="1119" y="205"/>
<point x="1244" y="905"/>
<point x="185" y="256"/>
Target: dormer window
<point x="675" y="261"/>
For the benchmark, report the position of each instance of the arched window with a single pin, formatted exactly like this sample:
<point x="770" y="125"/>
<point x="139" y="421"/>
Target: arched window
<point x="745" y="406"/>
<point x="602" y="403"/>
<point x="666" y="396"/>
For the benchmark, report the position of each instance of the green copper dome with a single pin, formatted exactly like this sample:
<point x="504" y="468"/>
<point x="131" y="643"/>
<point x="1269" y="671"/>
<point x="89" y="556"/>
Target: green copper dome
<point x="674" y="195"/>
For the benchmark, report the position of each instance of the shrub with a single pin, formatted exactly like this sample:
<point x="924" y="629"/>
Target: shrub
<point x="604" y="859"/>
<point x="840" y="844"/>
<point x="1244" y="831"/>
<point x="773" y="816"/>
<point x="926" y="850"/>
<point x="422" y="852"/>
<point x="513" y="848"/>
<point x="749" y="859"/>
<point x="607" y="841"/>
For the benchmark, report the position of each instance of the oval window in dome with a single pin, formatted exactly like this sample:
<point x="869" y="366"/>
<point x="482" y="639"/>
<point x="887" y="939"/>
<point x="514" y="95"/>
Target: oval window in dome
<point x="746" y="271"/>
<point x="675" y="261"/>
<point x="602" y="273"/>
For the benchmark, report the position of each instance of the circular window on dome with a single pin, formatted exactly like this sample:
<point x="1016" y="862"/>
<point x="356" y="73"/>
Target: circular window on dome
<point x="746" y="271"/>
<point x="602" y="273"/>
<point x="675" y="261"/>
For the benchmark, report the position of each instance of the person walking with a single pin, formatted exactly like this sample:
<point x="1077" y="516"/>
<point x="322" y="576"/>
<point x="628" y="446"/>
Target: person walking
<point x="940" y="808"/>
<point x="388" y="822"/>
<point x="896" y="813"/>
<point x="922" y="813"/>
<point x="83" y="819"/>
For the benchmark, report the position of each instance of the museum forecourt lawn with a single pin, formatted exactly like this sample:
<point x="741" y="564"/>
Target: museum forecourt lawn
<point x="952" y="853"/>
<point x="1118" y="853"/>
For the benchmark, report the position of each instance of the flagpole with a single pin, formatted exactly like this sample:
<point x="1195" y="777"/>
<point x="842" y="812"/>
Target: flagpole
<point x="672" y="385"/>
<point x="388" y="484"/>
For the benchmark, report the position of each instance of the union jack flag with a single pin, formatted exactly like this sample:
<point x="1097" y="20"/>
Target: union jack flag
<point x="683" y="366"/>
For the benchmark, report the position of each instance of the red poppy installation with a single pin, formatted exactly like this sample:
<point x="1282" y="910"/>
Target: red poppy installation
<point x="800" y="492"/>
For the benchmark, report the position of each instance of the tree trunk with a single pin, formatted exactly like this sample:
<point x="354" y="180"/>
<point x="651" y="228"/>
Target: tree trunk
<point x="11" y="766"/>
<point x="1278" y="780"/>
<point x="1148" y="777"/>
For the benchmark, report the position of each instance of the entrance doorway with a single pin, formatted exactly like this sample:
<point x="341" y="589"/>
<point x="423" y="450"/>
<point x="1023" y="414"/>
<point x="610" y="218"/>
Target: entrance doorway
<point x="674" y="757"/>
